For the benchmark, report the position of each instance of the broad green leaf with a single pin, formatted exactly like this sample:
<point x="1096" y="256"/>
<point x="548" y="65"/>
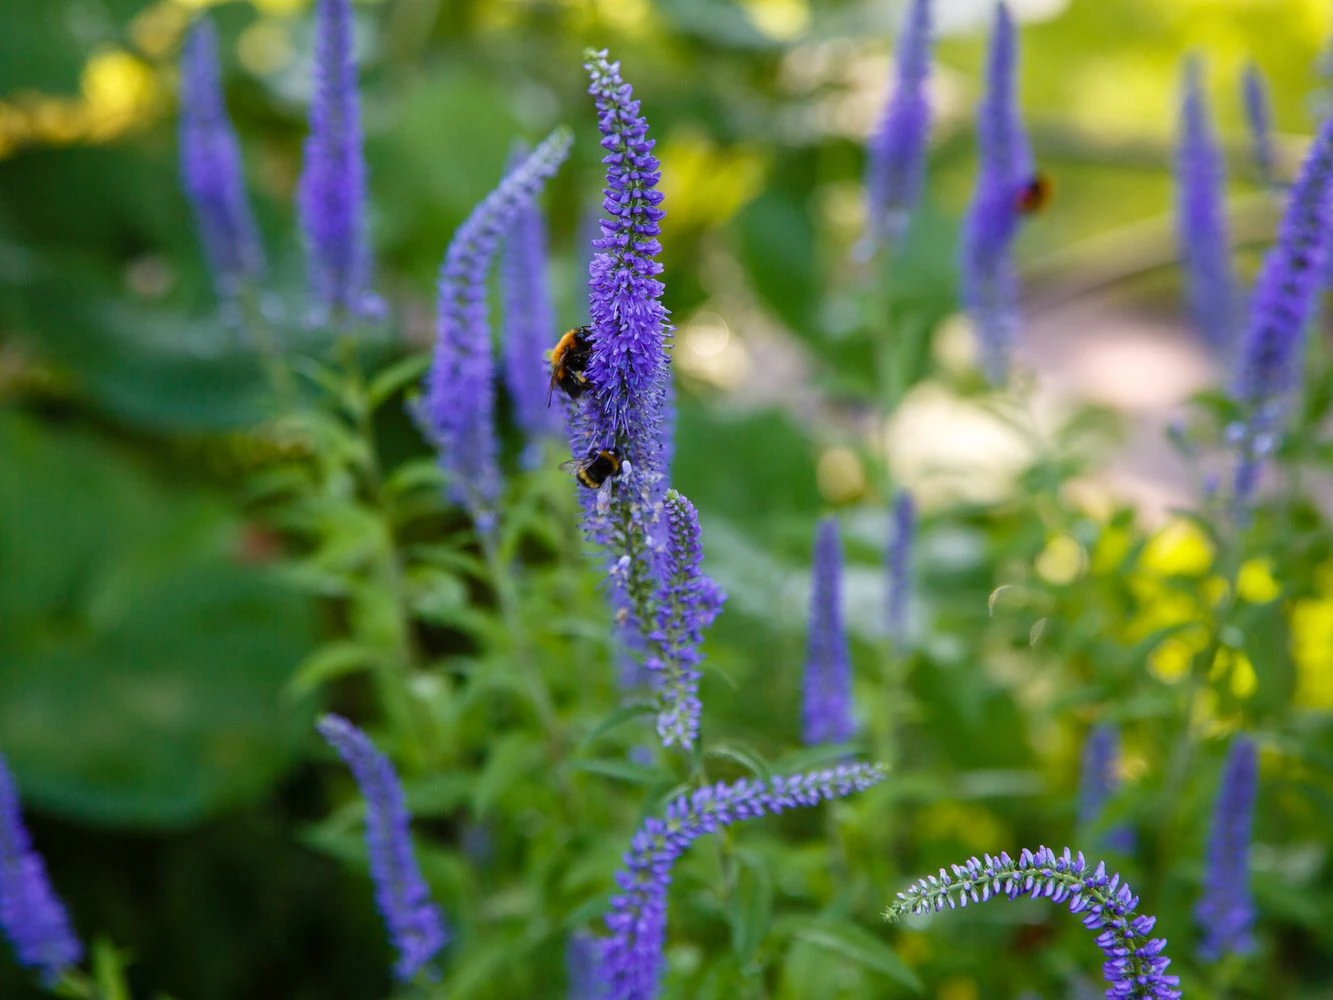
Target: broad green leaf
<point x="858" y="945"/>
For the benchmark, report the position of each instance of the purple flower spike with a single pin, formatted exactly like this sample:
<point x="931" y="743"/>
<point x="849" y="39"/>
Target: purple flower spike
<point x="898" y="564"/>
<point x="31" y="914"/>
<point x="989" y="278"/>
<point x="1270" y="352"/>
<point x="1226" y="911"/>
<point x="1135" y="965"/>
<point x="1259" y="118"/>
<point x="897" y="149"/>
<point x="415" y="924"/>
<point x="827" y="704"/>
<point x="628" y="369"/>
<point x="457" y="410"/>
<point x="1201" y="221"/>
<point x="529" y="323"/>
<point x="1101" y="758"/>
<point x="332" y="192"/>
<point x="211" y="168"/>
<point x="687" y="602"/>
<point x="631" y="962"/>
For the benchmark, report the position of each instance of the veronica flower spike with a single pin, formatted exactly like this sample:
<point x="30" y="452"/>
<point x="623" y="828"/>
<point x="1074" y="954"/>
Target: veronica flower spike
<point x="628" y="367"/>
<point x="1201" y="219"/>
<point x="898" y="564"/>
<point x="827" y="696"/>
<point x="529" y="322"/>
<point x="897" y="148"/>
<point x="687" y="603"/>
<point x="415" y="923"/>
<point x="989" y="277"/>
<point x="630" y="962"/>
<point x="457" y="409"/>
<point x="1098" y="781"/>
<point x="1226" y="909"/>
<point x="31" y="914"/>
<point x="1270" y="352"/>
<point x="210" y="160"/>
<point x="332" y="190"/>
<point x="1135" y="965"/>
<point x="1259" y="119"/>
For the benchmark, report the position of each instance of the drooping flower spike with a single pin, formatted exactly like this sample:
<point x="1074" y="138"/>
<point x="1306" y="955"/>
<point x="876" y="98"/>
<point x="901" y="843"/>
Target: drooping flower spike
<point x="1201" y="219"/>
<point x="1259" y="119"/>
<point x="332" y="190"/>
<point x="457" y="410"/>
<point x="630" y="964"/>
<point x="529" y="322"/>
<point x="1098" y="781"/>
<point x="1268" y="361"/>
<point x="211" y="172"/>
<point x="897" y="148"/>
<point x="687" y="602"/>
<point x="1226" y="909"/>
<point x="1135" y="965"/>
<point x="31" y="914"/>
<point x="415" y="924"/>
<point x="826" y="713"/>
<point x="898" y="564"/>
<point x="989" y="276"/>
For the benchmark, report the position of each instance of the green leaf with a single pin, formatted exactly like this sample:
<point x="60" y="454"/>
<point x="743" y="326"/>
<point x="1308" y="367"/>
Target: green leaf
<point x="337" y="659"/>
<point x="751" y="907"/>
<point x="510" y="758"/>
<point x="395" y="377"/>
<point x="746" y="757"/>
<point x="129" y="622"/>
<point x="858" y="945"/>
<point x="617" y="718"/>
<point x="622" y="770"/>
<point x="421" y="474"/>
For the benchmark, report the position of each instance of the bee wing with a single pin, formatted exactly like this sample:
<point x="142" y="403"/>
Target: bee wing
<point x="572" y="465"/>
<point x="604" y="496"/>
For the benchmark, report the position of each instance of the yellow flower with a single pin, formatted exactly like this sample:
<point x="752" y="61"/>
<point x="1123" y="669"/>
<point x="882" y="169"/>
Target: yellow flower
<point x="1178" y="549"/>
<point x="1255" y="582"/>
<point x="1312" y="649"/>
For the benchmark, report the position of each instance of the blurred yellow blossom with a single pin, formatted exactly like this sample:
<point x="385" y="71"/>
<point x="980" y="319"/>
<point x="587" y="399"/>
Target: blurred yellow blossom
<point x="1255" y="582"/>
<point x="1312" y="649"/>
<point x="706" y="185"/>
<point x="1180" y="548"/>
<point x="1061" y="561"/>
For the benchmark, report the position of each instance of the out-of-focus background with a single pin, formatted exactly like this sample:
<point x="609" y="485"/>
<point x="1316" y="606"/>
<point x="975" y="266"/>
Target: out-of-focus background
<point x="145" y="643"/>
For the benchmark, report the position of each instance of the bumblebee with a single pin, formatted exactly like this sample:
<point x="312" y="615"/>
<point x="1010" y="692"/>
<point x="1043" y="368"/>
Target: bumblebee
<point x="1034" y="195"/>
<point x="568" y="358"/>
<point x="598" y="471"/>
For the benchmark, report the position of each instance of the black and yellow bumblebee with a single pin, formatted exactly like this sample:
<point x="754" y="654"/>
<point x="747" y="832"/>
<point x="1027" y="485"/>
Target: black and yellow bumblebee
<point x="569" y="358"/>
<point x="598" y="470"/>
<point x="1034" y="195"/>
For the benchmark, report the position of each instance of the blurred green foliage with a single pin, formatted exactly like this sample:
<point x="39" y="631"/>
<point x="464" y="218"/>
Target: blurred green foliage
<point x="180" y="591"/>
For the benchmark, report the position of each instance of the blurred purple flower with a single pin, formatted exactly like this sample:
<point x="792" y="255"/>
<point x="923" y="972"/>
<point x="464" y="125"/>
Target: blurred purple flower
<point x="631" y="962"/>
<point x="332" y="191"/>
<point x="211" y="168"/>
<point x="1201" y="219"/>
<point x="31" y="914"/>
<point x="581" y="966"/>
<point x="457" y="410"/>
<point x="415" y="924"/>
<point x="1259" y="118"/>
<point x="898" y="564"/>
<point x="1226" y="910"/>
<point x="1135" y="964"/>
<point x="529" y="323"/>
<point x="1268" y="360"/>
<point x="1098" y="782"/>
<point x="687" y="602"/>
<point x="897" y="149"/>
<point x="827" y="704"/>
<point x="989" y="278"/>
